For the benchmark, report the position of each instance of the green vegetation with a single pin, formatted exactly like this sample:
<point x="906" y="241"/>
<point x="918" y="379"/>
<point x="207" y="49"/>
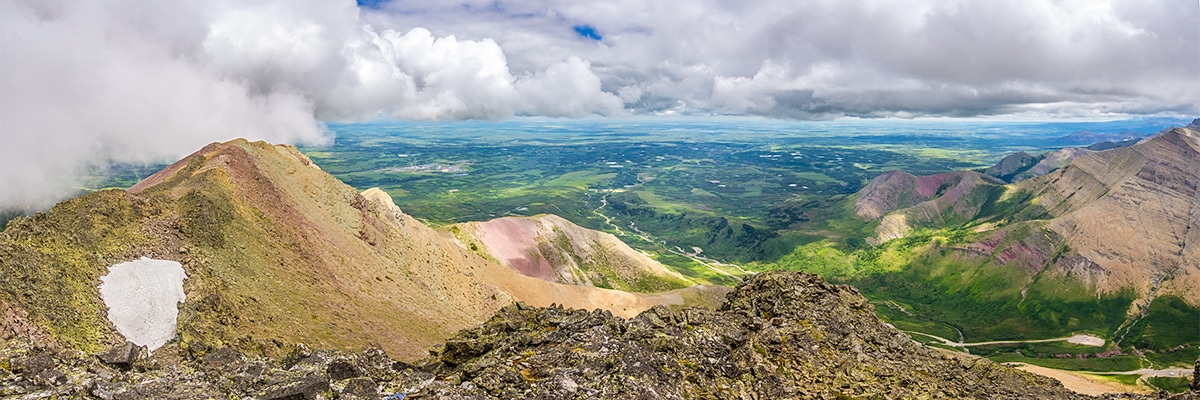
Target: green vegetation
<point x="1169" y="324"/>
<point x="1171" y="385"/>
<point x="1124" y="379"/>
<point x="770" y="202"/>
<point x="1041" y="349"/>
<point x="106" y="228"/>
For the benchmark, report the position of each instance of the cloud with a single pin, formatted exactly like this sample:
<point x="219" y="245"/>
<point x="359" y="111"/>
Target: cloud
<point x="857" y="58"/>
<point x="89" y="83"/>
<point x="86" y="83"/>
<point x="567" y="89"/>
<point x="81" y="88"/>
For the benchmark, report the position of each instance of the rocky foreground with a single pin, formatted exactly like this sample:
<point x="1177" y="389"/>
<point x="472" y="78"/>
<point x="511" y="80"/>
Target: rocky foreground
<point x="779" y="335"/>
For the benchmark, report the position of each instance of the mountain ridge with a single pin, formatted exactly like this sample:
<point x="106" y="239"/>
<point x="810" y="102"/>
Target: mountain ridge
<point x="268" y="241"/>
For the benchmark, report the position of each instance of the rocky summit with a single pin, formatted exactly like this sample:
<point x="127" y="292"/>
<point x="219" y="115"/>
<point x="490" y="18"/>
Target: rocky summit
<point x="779" y="335"/>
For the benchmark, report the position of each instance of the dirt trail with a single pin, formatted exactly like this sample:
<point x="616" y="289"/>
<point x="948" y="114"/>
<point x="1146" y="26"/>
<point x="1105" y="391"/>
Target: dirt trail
<point x="1083" y="383"/>
<point x="1086" y="340"/>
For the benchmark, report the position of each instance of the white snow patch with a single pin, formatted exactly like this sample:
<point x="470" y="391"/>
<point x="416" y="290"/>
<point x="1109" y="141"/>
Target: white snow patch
<point x="141" y="297"/>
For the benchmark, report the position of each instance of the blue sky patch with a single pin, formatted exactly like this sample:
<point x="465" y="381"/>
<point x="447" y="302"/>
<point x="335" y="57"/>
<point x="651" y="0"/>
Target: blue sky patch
<point x="372" y="4"/>
<point x="588" y="31"/>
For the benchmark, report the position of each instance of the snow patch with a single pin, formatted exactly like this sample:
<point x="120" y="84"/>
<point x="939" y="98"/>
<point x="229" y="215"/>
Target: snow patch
<point x="141" y="296"/>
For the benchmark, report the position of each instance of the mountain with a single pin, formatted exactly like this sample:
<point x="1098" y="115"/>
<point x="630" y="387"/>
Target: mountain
<point x="779" y="335"/>
<point x="1085" y="138"/>
<point x="276" y="252"/>
<point x="1132" y="212"/>
<point x="551" y="248"/>
<point x="903" y="201"/>
<point x="1021" y="166"/>
<point x="1110" y="243"/>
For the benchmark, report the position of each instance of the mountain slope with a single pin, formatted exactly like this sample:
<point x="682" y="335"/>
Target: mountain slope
<point x="903" y="201"/>
<point x="779" y="335"/>
<point x="551" y="248"/>
<point x="270" y="243"/>
<point x="1134" y="212"/>
<point x="1098" y="245"/>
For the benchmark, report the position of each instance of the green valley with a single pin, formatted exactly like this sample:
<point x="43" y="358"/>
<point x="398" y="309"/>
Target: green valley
<point x="717" y="200"/>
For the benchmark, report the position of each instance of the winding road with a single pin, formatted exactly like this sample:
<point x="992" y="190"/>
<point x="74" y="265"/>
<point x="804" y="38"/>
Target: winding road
<point x="1086" y="340"/>
<point x="1071" y="378"/>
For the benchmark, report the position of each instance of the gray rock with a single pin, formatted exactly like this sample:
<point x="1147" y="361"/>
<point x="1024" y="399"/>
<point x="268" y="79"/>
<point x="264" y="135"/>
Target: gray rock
<point x="51" y="377"/>
<point x="36" y="364"/>
<point x="342" y="368"/>
<point x="358" y="388"/>
<point x="122" y="356"/>
<point x="309" y="387"/>
<point x="223" y="359"/>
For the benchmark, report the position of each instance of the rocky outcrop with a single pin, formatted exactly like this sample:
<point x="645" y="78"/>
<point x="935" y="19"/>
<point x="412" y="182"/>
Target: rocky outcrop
<point x="780" y="335"/>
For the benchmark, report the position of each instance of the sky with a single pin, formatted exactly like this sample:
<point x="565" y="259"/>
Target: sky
<point x="84" y="83"/>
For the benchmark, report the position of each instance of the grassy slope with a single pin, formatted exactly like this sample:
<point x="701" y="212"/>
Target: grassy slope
<point x="926" y="282"/>
<point x="102" y="228"/>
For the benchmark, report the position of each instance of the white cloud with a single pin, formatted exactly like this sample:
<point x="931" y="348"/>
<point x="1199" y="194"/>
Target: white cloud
<point x="89" y="82"/>
<point x="567" y="89"/>
<point x="86" y="83"/>
<point x="856" y="57"/>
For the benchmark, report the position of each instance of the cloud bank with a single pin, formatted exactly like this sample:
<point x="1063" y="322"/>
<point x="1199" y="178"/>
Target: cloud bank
<point x="91" y="82"/>
<point x="88" y="83"/>
<point x="869" y="58"/>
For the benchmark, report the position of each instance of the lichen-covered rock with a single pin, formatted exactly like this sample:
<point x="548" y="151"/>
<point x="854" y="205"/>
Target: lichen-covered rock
<point x="779" y="335"/>
<point x="122" y="356"/>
